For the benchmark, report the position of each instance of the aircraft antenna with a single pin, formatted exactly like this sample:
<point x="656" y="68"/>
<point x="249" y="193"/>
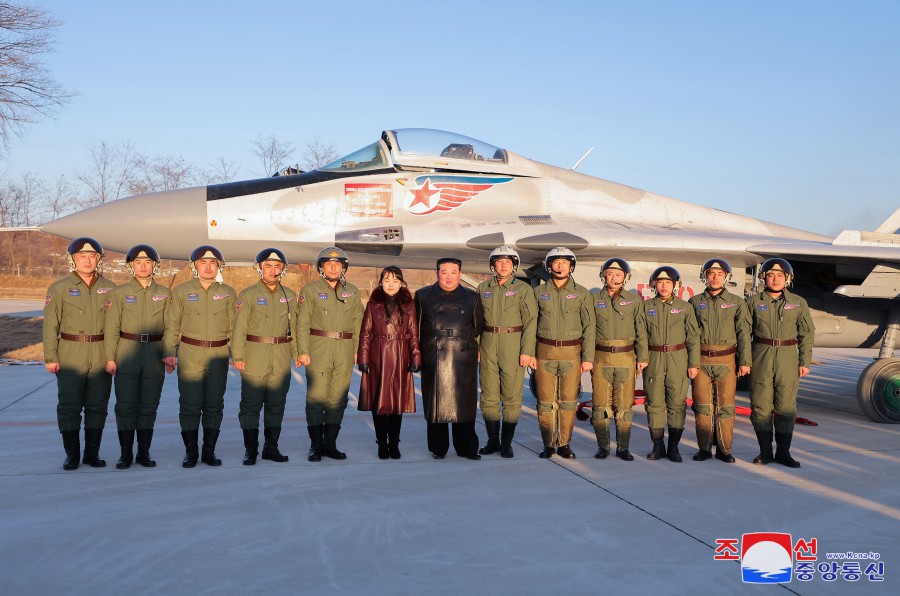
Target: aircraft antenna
<point x="583" y="157"/>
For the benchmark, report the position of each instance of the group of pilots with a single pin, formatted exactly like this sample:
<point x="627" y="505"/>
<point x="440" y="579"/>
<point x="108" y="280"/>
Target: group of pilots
<point x="97" y="335"/>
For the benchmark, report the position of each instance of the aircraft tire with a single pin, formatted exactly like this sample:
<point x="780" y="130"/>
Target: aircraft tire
<point x="878" y="391"/>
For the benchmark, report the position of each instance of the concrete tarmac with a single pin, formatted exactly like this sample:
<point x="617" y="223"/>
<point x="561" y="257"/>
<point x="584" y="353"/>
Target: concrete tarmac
<point x="366" y="526"/>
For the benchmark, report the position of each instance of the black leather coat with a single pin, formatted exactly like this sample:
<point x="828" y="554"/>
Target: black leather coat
<point x="449" y="325"/>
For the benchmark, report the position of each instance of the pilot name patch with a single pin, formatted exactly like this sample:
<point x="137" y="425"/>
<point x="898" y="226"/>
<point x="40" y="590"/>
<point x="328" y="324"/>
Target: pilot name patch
<point x="601" y="305"/>
<point x="762" y="307"/>
<point x="159" y="297"/>
<point x="323" y="296"/>
<point x="488" y="294"/>
<point x="545" y="296"/>
<point x="261" y="301"/>
<point x="651" y="312"/>
<point x="702" y="306"/>
<point x="791" y="306"/>
<point x="131" y="299"/>
<point x="220" y="296"/>
<point x="193" y="297"/>
<point x="74" y="292"/>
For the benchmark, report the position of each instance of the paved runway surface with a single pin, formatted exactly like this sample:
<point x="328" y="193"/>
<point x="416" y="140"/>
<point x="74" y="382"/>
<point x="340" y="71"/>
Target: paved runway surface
<point x="416" y="525"/>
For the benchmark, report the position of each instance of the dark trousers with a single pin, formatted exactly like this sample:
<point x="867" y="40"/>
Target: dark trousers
<point x="465" y="441"/>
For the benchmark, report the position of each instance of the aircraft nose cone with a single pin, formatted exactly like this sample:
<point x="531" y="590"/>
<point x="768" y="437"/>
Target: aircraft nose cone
<point x="173" y="222"/>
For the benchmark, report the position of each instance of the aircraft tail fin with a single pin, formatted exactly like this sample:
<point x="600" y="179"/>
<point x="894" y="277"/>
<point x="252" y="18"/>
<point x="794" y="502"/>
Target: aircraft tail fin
<point x="891" y="224"/>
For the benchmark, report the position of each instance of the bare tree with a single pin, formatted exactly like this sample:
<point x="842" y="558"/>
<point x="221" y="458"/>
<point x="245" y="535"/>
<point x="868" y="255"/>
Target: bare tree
<point x="220" y="172"/>
<point x="163" y="172"/>
<point x="60" y="198"/>
<point x="272" y="153"/>
<point x="27" y="91"/>
<point x="18" y="202"/>
<point x="109" y="173"/>
<point x="317" y="153"/>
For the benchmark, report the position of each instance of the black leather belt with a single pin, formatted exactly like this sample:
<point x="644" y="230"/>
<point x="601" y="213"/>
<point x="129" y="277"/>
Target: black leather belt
<point x="559" y="343"/>
<point x="615" y="349"/>
<point x="717" y="353"/>
<point x="667" y="348"/>
<point x="141" y="337"/>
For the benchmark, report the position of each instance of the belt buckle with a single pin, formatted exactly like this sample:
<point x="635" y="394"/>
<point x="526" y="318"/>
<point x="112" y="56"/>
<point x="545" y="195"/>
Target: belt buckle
<point x="145" y="338"/>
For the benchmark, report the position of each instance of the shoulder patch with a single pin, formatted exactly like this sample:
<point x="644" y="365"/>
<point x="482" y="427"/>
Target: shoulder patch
<point x="301" y="298"/>
<point x="238" y="305"/>
<point x="48" y="299"/>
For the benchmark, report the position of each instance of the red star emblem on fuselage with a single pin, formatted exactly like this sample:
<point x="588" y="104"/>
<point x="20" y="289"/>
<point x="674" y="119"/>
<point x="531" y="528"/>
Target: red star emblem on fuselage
<point x="423" y="195"/>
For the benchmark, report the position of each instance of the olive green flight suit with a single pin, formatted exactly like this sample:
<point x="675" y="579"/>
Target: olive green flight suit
<point x="563" y="314"/>
<point x="666" y="381"/>
<point x="203" y="315"/>
<point x="775" y="375"/>
<point x="74" y="308"/>
<point x="139" y="368"/>
<point x="332" y="310"/>
<point x="724" y="326"/>
<point x="266" y="377"/>
<point x="505" y="306"/>
<point x="620" y="324"/>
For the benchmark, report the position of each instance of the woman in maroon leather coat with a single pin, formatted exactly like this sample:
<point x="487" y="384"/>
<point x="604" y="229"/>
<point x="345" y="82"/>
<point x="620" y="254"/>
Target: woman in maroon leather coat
<point x="388" y="356"/>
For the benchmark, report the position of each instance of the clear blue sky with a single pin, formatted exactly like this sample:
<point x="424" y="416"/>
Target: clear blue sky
<point x="783" y="110"/>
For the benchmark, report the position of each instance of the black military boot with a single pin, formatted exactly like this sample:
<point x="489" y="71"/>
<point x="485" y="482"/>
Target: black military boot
<point x="702" y="455"/>
<point x="210" y="437"/>
<point x="72" y="445"/>
<point x="657" y="435"/>
<point x="315" y="442"/>
<point x="394" y="422"/>
<point x="624" y="455"/>
<point x="144" y="439"/>
<point x="493" y="433"/>
<point x="783" y="450"/>
<point x="674" y="439"/>
<point x="270" y="447"/>
<point x="547" y="453"/>
<point x="565" y="452"/>
<point x="251" y="446"/>
<point x="92" y="438"/>
<point x="725" y="457"/>
<point x="191" y="451"/>
<point x="329" y="448"/>
<point x="126" y="444"/>
<point x="764" y="438"/>
<point x="507" y="432"/>
<point x="381" y="435"/>
<point x="602" y="453"/>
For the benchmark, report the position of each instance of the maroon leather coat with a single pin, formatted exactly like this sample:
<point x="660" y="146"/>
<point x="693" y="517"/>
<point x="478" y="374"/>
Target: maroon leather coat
<point x="388" y="347"/>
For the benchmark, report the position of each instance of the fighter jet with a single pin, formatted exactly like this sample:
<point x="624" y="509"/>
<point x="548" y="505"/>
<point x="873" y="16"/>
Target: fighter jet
<point x="418" y="194"/>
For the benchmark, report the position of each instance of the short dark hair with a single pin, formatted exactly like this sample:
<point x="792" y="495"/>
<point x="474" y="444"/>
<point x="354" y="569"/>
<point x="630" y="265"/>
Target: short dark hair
<point x="452" y="260"/>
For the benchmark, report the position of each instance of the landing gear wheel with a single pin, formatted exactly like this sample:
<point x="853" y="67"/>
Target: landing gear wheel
<point x="878" y="390"/>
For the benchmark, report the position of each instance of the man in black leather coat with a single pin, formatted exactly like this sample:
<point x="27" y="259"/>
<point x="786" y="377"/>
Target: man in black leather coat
<point x="450" y="320"/>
